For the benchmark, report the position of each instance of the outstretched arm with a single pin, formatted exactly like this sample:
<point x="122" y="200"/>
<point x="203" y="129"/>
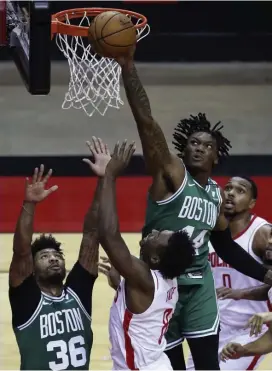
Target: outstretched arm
<point x="259" y="293"/>
<point x="232" y="253"/>
<point x="21" y="265"/>
<point x="156" y="153"/>
<point x="132" y="269"/>
<point x="89" y="252"/>
<point x="261" y="346"/>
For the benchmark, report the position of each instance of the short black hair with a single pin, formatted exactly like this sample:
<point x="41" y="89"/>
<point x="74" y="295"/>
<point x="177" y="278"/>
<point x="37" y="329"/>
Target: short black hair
<point x="195" y="124"/>
<point x="45" y="242"/>
<point x="177" y="256"/>
<point x="254" y="188"/>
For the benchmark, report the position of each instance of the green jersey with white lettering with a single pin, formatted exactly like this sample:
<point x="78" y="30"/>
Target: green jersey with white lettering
<point x="192" y="208"/>
<point x="58" y="334"/>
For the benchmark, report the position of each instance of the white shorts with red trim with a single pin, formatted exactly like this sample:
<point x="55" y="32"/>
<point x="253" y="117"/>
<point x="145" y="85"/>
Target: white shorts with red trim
<point x="230" y="335"/>
<point x="163" y="363"/>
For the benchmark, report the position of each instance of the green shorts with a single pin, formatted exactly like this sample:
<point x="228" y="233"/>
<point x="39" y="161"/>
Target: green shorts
<point x="196" y="314"/>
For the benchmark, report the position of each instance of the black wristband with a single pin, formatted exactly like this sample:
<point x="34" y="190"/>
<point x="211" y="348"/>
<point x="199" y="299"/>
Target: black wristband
<point x="234" y="255"/>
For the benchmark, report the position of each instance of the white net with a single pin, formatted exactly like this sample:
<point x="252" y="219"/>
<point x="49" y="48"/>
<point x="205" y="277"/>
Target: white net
<point x="94" y="81"/>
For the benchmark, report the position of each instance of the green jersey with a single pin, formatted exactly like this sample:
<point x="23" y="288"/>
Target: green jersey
<point x="56" y="333"/>
<point x="193" y="209"/>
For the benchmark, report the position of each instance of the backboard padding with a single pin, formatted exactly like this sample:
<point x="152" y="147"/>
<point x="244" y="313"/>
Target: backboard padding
<point x="30" y="44"/>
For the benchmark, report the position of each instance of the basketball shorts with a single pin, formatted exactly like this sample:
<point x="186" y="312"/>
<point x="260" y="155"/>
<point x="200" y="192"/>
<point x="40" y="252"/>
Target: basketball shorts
<point x="227" y="335"/>
<point x="196" y="314"/>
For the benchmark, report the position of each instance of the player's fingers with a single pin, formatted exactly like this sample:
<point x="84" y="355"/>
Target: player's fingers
<point x="254" y="325"/>
<point x="104" y="271"/>
<point x="259" y="326"/>
<point x="96" y="145"/>
<point x="35" y="175"/>
<point x="48" y="175"/>
<point x="226" y="353"/>
<point x="223" y="356"/>
<point x="40" y="174"/>
<point x="105" y="266"/>
<point x="101" y="145"/>
<point x="116" y="149"/>
<point x="248" y="324"/>
<point x="88" y="162"/>
<point x="227" y="295"/>
<point x="129" y="152"/>
<point x="91" y="147"/>
<point x="26" y="182"/>
<point x="122" y="148"/>
<point x="107" y="150"/>
<point x="105" y="259"/>
<point x="221" y="292"/>
<point x="51" y="190"/>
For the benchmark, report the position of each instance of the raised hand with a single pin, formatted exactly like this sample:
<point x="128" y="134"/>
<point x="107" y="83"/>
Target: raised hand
<point x="110" y="272"/>
<point x="122" y="60"/>
<point x="35" y="191"/>
<point x="120" y="158"/>
<point x="101" y="156"/>
<point x="257" y="321"/>
<point x="232" y="351"/>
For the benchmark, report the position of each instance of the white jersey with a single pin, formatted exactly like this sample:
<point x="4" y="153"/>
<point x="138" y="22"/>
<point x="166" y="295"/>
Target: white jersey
<point x="137" y="340"/>
<point x="236" y="313"/>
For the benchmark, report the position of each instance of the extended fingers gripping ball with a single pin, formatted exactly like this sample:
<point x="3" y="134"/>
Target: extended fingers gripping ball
<point x="112" y="34"/>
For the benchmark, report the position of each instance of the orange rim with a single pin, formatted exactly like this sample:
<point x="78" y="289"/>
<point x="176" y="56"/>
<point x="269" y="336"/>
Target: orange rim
<point x="58" y="25"/>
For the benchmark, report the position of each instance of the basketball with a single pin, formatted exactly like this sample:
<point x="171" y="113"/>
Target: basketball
<point x="112" y="34"/>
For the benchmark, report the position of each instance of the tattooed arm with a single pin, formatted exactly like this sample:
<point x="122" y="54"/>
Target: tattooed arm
<point x="21" y="265"/>
<point x="160" y="162"/>
<point x="88" y="254"/>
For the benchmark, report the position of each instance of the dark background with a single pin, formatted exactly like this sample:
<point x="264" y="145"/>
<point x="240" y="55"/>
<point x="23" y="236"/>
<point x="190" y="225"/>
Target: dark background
<point x="199" y="31"/>
<point x="194" y="31"/>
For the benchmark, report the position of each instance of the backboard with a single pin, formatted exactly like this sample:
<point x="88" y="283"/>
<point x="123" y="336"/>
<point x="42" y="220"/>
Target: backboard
<point x="25" y="29"/>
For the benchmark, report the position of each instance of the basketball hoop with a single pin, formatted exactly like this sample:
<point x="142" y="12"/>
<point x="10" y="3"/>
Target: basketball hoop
<point x="94" y="80"/>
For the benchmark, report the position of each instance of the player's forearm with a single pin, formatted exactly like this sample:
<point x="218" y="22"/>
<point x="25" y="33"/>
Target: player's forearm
<point x="24" y="229"/>
<point x="88" y="253"/>
<point x="91" y="217"/>
<point x="155" y="148"/>
<point x="261" y="346"/>
<point x="259" y="293"/>
<point x="109" y="232"/>
<point x="233" y="254"/>
<point x="108" y="217"/>
<point x="136" y="93"/>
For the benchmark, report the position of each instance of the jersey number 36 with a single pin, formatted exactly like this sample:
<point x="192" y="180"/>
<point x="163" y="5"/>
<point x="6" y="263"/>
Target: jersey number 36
<point x="71" y="353"/>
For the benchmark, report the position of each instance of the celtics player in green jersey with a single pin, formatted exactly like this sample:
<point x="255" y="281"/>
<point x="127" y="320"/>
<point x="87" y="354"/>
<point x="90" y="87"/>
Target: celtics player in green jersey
<point x="51" y="318"/>
<point x="184" y="197"/>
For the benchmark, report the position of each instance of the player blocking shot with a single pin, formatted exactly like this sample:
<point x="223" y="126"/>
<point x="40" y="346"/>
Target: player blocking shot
<point x="147" y="295"/>
<point x="51" y="318"/>
<point x="253" y="234"/>
<point x="184" y="197"/>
